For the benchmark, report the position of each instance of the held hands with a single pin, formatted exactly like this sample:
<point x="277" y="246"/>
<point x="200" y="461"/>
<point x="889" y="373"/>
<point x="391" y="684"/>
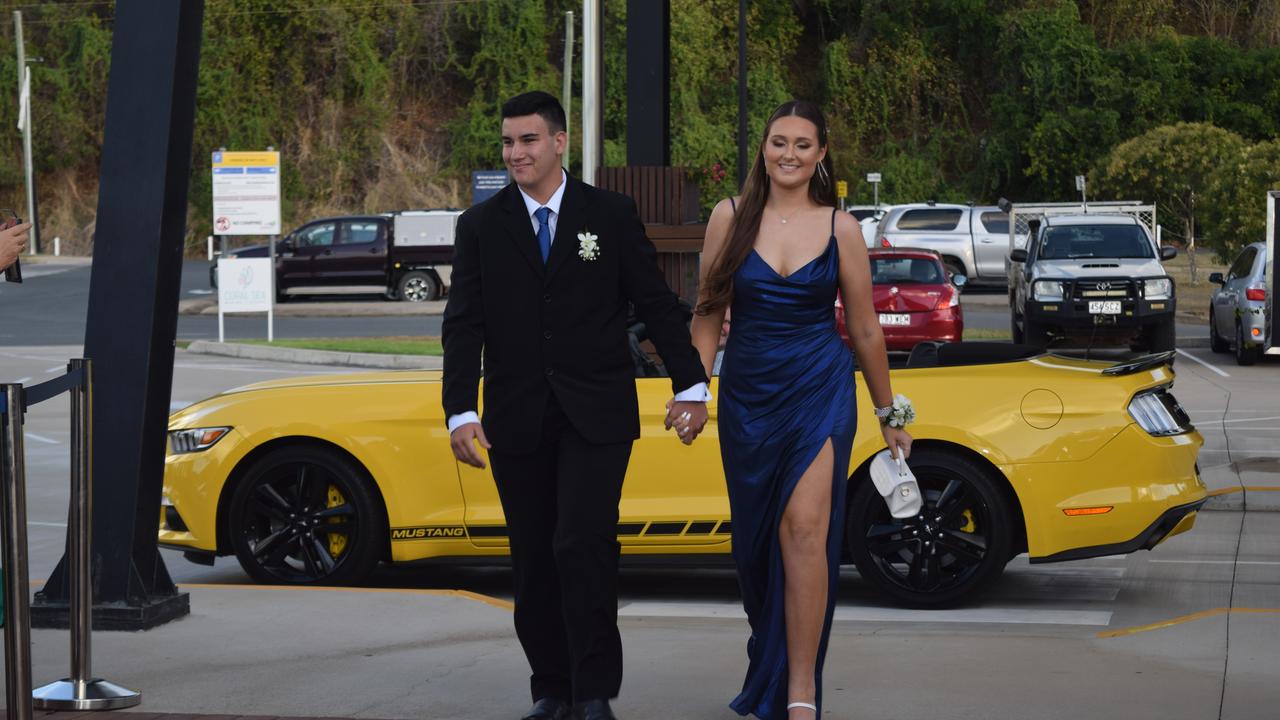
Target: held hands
<point x="688" y="418"/>
<point x="463" y="441"/>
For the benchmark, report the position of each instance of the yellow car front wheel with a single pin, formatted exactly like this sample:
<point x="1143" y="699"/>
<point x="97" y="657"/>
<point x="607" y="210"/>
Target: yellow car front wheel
<point x="306" y="515"/>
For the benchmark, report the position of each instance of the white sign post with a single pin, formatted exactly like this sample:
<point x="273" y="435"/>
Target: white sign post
<point x="245" y="286"/>
<point x="874" y="179"/>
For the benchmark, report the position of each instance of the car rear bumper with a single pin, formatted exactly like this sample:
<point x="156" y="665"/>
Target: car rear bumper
<point x="946" y="325"/>
<point x="1174" y="521"/>
<point x="1138" y="478"/>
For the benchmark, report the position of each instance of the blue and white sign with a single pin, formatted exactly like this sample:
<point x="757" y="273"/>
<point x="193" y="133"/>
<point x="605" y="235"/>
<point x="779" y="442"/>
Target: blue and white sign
<point x="246" y="193"/>
<point x="486" y="183"/>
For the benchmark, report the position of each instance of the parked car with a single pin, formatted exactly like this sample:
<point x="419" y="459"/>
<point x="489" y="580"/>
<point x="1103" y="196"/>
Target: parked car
<point x="400" y="255"/>
<point x="1091" y="277"/>
<point x="972" y="240"/>
<point x="1237" y="309"/>
<point x="914" y="296"/>
<point x="315" y="480"/>
<point x="869" y="217"/>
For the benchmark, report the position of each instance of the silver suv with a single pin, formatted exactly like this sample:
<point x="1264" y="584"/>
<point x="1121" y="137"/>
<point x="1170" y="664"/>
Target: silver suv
<point x="973" y="240"/>
<point x="1237" y="310"/>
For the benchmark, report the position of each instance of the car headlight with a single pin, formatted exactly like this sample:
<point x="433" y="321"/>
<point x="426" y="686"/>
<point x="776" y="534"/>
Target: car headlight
<point x="1157" y="412"/>
<point x="1157" y="289"/>
<point x="182" y="442"/>
<point x="1047" y="290"/>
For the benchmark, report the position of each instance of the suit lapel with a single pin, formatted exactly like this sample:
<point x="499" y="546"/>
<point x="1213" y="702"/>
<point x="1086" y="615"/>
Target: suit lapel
<point x="515" y="218"/>
<point x="573" y="217"/>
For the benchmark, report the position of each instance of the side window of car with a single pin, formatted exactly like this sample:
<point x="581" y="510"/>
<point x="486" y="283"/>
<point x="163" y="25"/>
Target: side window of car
<point x="996" y="223"/>
<point x="360" y="233"/>
<point x="320" y="235"/>
<point x="1243" y="265"/>
<point x="930" y="219"/>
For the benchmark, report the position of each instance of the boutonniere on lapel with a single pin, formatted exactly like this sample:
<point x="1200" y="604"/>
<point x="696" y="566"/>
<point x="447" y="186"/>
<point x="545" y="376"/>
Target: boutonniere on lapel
<point x="587" y="247"/>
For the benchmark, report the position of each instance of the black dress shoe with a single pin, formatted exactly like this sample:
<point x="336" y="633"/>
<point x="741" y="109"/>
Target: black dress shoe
<point x="549" y="709"/>
<point x="593" y="710"/>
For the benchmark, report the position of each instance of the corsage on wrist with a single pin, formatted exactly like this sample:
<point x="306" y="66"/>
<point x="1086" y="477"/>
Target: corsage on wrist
<point x="899" y="414"/>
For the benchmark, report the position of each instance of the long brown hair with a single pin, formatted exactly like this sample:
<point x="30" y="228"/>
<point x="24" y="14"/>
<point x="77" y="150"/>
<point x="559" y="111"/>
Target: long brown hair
<point x="717" y="289"/>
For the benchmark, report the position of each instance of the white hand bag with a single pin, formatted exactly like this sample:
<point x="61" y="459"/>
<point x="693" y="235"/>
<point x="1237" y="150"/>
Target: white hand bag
<point x="896" y="484"/>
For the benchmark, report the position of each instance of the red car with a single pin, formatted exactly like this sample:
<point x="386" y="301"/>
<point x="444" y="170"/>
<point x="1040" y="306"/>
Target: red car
<point x="914" y="297"/>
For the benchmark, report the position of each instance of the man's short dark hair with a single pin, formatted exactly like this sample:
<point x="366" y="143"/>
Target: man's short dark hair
<point x="536" y="103"/>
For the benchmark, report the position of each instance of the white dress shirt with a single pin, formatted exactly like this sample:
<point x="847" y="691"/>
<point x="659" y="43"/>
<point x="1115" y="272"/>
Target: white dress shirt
<point x="697" y="393"/>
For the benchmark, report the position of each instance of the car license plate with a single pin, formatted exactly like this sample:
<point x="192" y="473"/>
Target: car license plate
<point x="897" y="319"/>
<point x="1104" y="307"/>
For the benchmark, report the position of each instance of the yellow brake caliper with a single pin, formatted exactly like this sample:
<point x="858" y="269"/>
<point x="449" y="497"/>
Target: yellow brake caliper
<point x="337" y="541"/>
<point x="969" y="525"/>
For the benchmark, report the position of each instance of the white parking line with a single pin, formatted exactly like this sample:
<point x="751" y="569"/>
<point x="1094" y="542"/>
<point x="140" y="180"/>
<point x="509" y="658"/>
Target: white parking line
<point x="999" y="616"/>
<point x="1257" y="419"/>
<point x="1184" y="353"/>
<point x="1217" y="562"/>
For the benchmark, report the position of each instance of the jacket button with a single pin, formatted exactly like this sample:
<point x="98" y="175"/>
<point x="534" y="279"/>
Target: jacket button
<point x="550" y="371"/>
<point x="546" y="334"/>
<point x="546" y="298"/>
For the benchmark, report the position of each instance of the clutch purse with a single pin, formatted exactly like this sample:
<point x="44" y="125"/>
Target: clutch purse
<point x="896" y="484"/>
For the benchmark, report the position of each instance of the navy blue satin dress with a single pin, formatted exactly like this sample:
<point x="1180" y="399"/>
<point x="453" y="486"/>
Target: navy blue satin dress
<point x="786" y="387"/>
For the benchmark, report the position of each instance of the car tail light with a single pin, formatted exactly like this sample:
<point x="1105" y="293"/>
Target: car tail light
<point x="950" y="298"/>
<point x="1256" y="294"/>
<point x="1157" y="412"/>
<point x="884" y="242"/>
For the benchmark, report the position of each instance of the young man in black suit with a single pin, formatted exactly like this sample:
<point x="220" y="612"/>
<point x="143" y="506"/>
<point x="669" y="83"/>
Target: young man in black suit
<point x="542" y="277"/>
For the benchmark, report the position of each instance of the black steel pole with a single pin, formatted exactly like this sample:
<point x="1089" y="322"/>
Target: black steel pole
<point x="133" y="311"/>
<point x="742" y="93"/>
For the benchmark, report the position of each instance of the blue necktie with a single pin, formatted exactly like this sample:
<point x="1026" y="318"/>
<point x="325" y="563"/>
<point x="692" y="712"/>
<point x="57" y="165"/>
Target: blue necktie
<point x="544" y="231"/>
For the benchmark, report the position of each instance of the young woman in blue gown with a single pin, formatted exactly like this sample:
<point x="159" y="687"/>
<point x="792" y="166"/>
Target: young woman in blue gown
<point x="787" y="414"/>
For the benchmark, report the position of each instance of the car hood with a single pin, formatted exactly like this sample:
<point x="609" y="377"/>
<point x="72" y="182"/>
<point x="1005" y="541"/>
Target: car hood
<point x="1098" y="267"/>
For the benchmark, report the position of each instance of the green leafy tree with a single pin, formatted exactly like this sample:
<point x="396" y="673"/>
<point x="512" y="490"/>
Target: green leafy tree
<point x="1172" y="166"/>
<point x="1236" y="211"/>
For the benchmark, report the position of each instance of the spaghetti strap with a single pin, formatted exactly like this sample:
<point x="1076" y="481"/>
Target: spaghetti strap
<point x="833" y="223"/>
<point x="733" y="205"/>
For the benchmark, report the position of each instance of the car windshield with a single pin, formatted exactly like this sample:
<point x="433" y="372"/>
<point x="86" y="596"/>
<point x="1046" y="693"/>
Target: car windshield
<point x="900" y="271"/>
<point x="1069" y="242"/>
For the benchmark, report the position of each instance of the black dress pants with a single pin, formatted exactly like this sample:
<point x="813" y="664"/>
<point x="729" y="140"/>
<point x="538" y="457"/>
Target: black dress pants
<point x="561" y="504"/>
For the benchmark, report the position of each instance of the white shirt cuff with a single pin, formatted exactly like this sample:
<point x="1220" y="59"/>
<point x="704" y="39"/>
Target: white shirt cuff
<point x="457" y="421"/>
<point x="697" y="393"/>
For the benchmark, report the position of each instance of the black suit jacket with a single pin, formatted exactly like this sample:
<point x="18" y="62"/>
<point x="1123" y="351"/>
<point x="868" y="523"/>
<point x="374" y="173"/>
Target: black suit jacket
<point x="558" y="328"/>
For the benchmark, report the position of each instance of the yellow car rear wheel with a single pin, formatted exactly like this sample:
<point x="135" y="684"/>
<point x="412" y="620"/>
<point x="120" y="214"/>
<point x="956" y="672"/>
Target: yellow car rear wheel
<point x="957" y="545"/>
<point x="306" y="515"/>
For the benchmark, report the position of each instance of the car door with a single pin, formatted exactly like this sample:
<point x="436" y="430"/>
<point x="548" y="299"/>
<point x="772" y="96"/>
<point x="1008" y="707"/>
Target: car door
<point x="358" y="257"/>
<point x="308" y="241"/>
<point x="1227" y="299"/>
<point x="990" y="241"/>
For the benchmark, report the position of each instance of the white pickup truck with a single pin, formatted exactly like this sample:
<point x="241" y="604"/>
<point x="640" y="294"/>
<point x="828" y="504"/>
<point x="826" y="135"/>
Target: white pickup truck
<point x="973" y="240"/>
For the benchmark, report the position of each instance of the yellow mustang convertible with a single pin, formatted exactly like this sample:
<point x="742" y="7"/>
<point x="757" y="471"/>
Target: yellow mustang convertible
<point x="315" y="480"/>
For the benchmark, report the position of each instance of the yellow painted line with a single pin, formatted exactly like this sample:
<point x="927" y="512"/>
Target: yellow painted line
<point x="1250" y="488"/>
<point x="1183" y="619"/>
<point x="465" y="594"/>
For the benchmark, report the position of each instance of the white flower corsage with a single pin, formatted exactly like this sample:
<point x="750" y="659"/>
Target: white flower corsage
<point x="588" y="249"/>
<point x="901" y="413"/>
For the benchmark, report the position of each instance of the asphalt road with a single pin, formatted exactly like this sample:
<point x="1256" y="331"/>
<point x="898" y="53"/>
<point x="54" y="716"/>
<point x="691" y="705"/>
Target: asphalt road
<point x="50" y="308"/>
<point x="1146" y="635"/>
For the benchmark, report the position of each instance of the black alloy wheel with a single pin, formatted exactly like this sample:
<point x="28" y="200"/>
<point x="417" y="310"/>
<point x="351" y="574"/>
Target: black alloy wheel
<point x="306" y="515"/>
<point x="958" y="544"/>
<point x="1216" y="342"/>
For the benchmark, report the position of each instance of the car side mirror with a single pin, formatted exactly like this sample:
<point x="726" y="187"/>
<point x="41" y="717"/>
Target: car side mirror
<point x="1217" y="278"/>
<point x="959" y="280"/>
<point x="1018" y="255"/>
<point x="1168" y="252"/>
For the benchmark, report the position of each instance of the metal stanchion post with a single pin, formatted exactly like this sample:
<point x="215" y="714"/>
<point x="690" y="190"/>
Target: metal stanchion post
<point x="82" y="691"/>
<point x="17" y="597"/>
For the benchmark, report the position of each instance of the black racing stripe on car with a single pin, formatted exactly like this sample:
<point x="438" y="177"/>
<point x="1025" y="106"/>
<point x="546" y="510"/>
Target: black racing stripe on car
<point x="487" y="531"/>
<point x="666" y="528"/>
<point x="725" y="528"/>
<point x="630" y="528"/>
<point x="701" y="528"/>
